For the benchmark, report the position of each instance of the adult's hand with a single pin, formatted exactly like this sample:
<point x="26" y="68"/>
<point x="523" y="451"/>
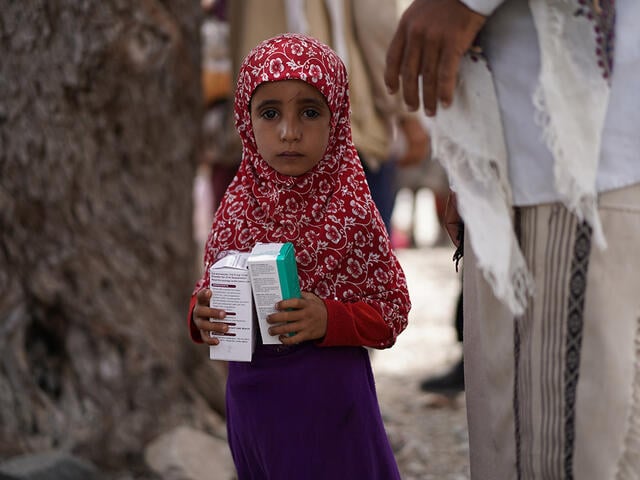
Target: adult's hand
<point x="431" y="38"/>
<point x="452" y="222"/>
<point x="417" y="140"/>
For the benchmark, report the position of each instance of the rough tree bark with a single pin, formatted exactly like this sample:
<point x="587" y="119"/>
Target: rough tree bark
<point x="99" y="125"/>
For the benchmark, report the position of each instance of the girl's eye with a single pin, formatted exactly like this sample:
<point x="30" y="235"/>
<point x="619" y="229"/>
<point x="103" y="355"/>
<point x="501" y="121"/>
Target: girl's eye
<point x="311" y="113"/>
<point x="269" y="114"/>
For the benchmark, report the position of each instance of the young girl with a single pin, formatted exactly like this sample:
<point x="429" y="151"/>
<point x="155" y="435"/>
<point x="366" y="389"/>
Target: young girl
<point x="306" y="408"/>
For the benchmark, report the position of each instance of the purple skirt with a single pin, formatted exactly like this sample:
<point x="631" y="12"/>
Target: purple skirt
<point x="307" y="412"/>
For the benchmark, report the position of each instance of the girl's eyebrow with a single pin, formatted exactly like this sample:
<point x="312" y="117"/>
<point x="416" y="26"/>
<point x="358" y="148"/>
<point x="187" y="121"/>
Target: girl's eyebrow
<point x="313" y="101"/>
<point x="310" y="100"/>
<point x="268" y="102"/>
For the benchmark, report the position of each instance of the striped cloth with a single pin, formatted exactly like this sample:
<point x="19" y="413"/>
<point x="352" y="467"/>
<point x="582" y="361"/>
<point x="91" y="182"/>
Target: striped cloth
<point x="555" y="393"/>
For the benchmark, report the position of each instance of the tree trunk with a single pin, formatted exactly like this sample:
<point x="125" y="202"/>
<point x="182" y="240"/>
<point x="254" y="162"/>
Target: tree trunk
<point x="100" y="110"/>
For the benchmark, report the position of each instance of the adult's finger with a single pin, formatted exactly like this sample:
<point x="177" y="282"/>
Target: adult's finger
<point x="410" y="70"/>
<point x="448" y="66"/>
<point x="394" y="59"/>
<point x="430" y="66"/>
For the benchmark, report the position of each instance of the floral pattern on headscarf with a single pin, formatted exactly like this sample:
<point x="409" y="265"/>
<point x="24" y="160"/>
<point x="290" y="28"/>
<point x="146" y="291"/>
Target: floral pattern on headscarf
<point x="342" y="249"/>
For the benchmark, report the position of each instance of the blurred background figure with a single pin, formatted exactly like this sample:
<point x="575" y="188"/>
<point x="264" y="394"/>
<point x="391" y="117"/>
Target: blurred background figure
<point x="219" y="155"/>
<point x="421" y="185"/>
<point x="384" y="132"/>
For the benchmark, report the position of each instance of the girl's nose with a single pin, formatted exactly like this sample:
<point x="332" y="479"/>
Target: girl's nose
<point x="290" y="130"/>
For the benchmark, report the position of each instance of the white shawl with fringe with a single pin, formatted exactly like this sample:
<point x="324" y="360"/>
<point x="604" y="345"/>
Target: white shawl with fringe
<point x="571" y="101"/>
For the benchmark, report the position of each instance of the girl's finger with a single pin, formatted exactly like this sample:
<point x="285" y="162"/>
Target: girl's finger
<point x="200" y="311"/>
<point x="207" y="338"/>
<point x="292" y="338"/>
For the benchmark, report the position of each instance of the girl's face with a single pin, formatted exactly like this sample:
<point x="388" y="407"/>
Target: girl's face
<point x="291" y="123"/>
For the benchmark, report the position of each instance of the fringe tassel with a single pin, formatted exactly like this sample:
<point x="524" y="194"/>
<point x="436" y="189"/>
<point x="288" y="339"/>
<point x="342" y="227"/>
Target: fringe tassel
<point x="580" y="202"/>
<point x="514" y="286"/>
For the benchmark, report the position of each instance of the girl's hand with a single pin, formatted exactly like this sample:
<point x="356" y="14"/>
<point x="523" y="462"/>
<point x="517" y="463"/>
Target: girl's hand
<point x="306" y="319"/>
<point x="202" y="314"/>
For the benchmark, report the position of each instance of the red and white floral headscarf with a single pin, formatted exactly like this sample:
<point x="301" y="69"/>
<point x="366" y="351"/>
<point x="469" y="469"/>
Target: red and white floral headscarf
<point x="342" y="249"/>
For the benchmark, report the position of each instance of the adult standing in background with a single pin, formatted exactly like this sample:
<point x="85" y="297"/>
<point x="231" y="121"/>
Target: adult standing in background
<point x="359" y="31"/>
<point x="537" y="129"/>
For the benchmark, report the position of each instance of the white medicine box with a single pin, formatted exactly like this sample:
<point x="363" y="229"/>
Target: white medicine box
<point x="274" y="277"/>
<point x="231" y="291"/>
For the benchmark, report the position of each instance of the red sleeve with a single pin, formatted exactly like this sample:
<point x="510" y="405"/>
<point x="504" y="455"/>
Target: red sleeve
<point x="193" y="331"/>
<point x="356" y="323"/>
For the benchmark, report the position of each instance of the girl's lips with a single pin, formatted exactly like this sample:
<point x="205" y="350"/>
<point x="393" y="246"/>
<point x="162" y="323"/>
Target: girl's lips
<point x="290" y="154"/>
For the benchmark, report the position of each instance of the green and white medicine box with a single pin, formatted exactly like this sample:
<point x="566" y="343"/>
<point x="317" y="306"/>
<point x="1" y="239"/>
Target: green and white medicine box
<point x="274" y="277"/>
<point x="231" y="291"/>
